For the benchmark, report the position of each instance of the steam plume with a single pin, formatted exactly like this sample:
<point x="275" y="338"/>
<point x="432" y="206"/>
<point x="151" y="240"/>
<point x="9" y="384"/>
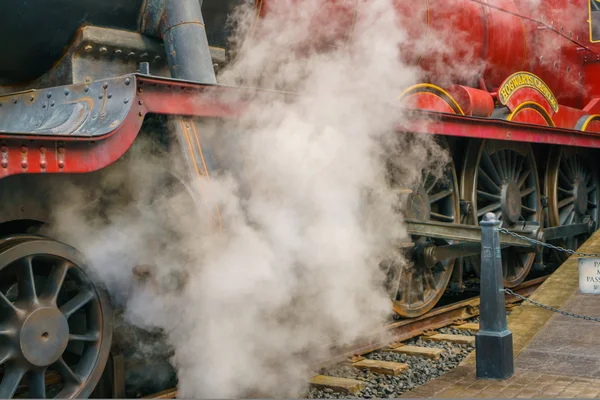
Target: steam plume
<point x="308" y="212"/>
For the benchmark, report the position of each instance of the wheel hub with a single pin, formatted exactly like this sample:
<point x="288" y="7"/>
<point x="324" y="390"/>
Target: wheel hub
<point x="581" y="199"/>
<point x="511" y="202"/>
<point x="44" y="336"/>
<point x="417" y="206"/>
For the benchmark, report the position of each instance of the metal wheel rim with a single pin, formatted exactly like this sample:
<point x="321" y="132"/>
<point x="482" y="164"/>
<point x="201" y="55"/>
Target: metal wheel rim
<point x="24" y="306"/>
<point x="443" y="196"/>
<point x="567" y="171"/>
<point x="485" y="190"/>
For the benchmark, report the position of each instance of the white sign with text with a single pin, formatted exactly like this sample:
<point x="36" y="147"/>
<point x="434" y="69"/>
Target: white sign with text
<point x="589" y="275"/>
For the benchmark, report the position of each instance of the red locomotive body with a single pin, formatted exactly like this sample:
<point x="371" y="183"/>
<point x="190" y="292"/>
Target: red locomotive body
<point x="513" y="94"/>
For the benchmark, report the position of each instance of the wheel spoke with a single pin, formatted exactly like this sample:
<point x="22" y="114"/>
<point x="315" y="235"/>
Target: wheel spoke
<point x="8" y="305"/>
<point x="504" y="164"/>
<point x="441" y="217"/>
<point x="10" y="381"/>
<point x="523" y="178"/>
<point x="488" y="196"/>
<point x="571" y="217"/>
<point x="491" y="168"/>
<point x="487" y="181"/>
<point x="519" y="168"/>
<point x="498" y="215"/>
<point x="36" y="384"/>
<point x="565" y="191"/>
<point x="25" y="280"/>
<point x="92" y="336"/>
<point x="492" y="207"/>
<point x="569" y="172"/>
<point x="565" y="212"/>
<point x="509" y="165"/>
<point x="440" y="195"/>
<point x="564" y="179"/>
<point x="498" y="165"/>
<point x="66" y="372"/>
<point x="515" y="164"/>
<point x="434" y="180"/>
<point x="518" y="264"/>
<point x="566" y="201"/>
<point x="6" y="355"/>
<point x="528" y="209"/>
<point x="406" y="285"/>
<point x="579" y="166"/>
<point x="76" y="303"/>
<point x="527" y="191"/>
<point x="428" y="281"/>
<point x="55" y="281"/>
<point x="592" y="205"/>
<point x="511" y="267"/>
<point x="587" y="178"/>
<point x="591" y="189"/>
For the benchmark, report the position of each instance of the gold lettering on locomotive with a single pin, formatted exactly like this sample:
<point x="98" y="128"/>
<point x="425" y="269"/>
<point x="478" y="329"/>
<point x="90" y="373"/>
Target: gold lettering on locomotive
<point x="525" y="79"/>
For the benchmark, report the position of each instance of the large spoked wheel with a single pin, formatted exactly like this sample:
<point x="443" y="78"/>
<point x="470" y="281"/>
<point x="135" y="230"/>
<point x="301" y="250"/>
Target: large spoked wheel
<point x="420" y="285"/>
<point x="53" y="320"/>
<point x="502" y="178"/>
<point x="572" y="190"/>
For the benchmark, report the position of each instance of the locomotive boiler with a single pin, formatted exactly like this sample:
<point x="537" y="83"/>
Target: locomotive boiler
<point x="509" y="88"/>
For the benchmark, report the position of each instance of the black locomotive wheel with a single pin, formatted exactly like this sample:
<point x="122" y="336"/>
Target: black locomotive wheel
<point x="419" y="285"/>
<point x="502" y="178"/>
<point x="52" y="319"/>
<point x="571" y="187"/>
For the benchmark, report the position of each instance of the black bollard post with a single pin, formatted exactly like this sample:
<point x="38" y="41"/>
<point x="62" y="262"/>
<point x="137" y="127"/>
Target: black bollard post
<point x="493" y="343"/>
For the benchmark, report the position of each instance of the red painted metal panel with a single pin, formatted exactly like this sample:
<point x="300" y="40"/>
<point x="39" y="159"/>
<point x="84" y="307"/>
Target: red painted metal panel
<point x="452" y="125"/>
<point x="50" y="154"/>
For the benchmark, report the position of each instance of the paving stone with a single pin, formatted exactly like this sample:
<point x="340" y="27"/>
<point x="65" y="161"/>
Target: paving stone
<point x="510" y="393"/>
<point x="471" y="393"/>
<point x="570" y="393"/>
<point x="480" y="385"/>
<point x="528" y="393"/>
<point x="451" y="393"/>
<point x="551" y="391"/>
<point x="494" y="388"/>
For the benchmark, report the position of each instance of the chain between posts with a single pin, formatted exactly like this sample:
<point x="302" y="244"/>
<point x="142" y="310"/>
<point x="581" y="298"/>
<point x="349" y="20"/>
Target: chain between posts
<point x="547" y="245"/>
<point x="558" y="248"/>
<point x="556" y="310"/>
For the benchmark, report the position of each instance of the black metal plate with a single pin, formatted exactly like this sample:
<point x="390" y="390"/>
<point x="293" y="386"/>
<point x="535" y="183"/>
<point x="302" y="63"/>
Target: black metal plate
<point x="90" y="110"/>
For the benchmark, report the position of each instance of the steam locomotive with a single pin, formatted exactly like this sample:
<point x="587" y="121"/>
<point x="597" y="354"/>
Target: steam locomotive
<point x="78" y="80"/>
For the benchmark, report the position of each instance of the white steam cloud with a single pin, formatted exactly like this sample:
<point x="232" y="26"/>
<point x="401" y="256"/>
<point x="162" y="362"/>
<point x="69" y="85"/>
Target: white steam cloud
<point x="306" y="205"/>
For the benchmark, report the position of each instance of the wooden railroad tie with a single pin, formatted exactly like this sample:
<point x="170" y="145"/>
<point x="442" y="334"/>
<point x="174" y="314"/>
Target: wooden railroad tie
<point x="457" y="339"/>
<point x="381" y="367"/>
<point x="427" y="352"/>
<point x="165" y="394"/>
<point x="341" y="385"/>
<point x="472" y="326"/>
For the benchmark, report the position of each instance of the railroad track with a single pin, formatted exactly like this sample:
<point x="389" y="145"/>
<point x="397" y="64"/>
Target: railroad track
<point x="416" y="337"/>
<point x="392" y="338"/>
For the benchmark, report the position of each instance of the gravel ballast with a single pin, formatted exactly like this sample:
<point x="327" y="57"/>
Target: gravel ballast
<point x="421" y="370"/>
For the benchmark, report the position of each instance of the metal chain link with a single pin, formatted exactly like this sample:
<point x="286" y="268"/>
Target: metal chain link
<point x="556" y="310"/>
<point x="548" y="245"/>
<point x="558" y="248"/>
